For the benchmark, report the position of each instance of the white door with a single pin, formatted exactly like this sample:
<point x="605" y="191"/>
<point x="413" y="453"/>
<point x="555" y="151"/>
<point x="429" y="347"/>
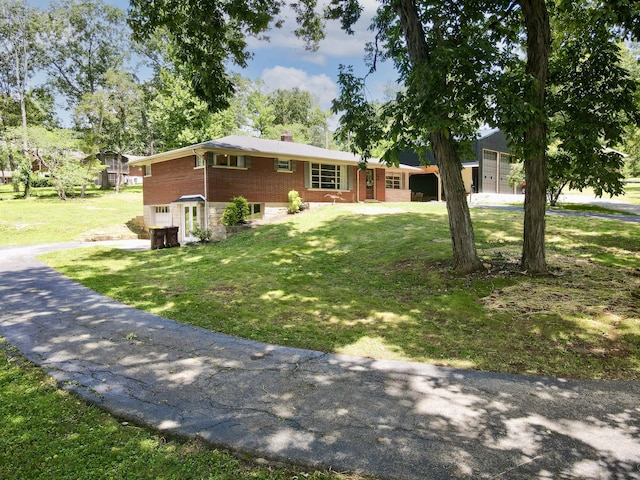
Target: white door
<point x="190" y="221"/>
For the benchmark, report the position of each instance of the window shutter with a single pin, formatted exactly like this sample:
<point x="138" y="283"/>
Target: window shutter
<point x="275" y="164"/>
<point x="307" y="175"/>
<point x="247" y="162"/>
<point x="350" y="177"/>
<point x="293" y="165"/>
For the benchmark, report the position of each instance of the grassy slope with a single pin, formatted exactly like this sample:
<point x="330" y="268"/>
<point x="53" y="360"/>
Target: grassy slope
<point x="372" y="280"/>
<point x="46" y="219"/>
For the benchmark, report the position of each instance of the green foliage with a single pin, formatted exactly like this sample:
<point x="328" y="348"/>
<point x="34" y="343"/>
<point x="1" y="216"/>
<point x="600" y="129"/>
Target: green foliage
<point x="202" y="234"/>
<point x="516" y="176"/>
<point x="183" y="119"/>
<point x="294" y="202"/>
<point x="236" y="212"/>
<point x="591" y="102"/>
<point x="24" y="177"/>
<point x="84" y="40"/>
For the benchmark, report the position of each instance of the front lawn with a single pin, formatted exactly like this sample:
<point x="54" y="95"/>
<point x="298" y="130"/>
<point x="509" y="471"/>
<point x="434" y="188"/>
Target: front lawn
<point x="374" y="280"/>
<point x="44" y="218"/>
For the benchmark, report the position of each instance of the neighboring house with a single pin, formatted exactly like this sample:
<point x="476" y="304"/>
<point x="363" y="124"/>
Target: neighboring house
<point x="6" y="176"/>
<point x="488" y="172"/>
<point x="191" y="186"/>
<point x="107" y="177"/>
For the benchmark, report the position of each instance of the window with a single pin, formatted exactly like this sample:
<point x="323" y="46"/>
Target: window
<point x="199" y="162"/>
<point x="328" y="177"/>
<point x="394" y="181"/>
<point x="162" y="209"/>
<point x="228" y="161"/>
<point x="255" y="210"/>
<point x="284" y="165"/>
<point x="147" y="170"/>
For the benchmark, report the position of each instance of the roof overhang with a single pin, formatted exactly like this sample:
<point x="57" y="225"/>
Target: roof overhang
<point x="237" y="145"/>
<point x="190" y="199"/>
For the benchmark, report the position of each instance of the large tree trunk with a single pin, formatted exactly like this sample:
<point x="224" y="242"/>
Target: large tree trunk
<point x="465" y="255"/>
<point x="536" y="19"/>
<point x="444" y="148"/>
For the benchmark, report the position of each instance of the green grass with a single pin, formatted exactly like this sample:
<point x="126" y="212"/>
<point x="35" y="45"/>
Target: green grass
<point x="44" y="218"/>
<point x="374" y="280"/>
<point x="588" y="208"/>
<point x="47" y="433"/>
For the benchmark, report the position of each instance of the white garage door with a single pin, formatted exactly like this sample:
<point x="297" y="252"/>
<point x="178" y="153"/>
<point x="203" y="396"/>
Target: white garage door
<point x="162" y="216"/>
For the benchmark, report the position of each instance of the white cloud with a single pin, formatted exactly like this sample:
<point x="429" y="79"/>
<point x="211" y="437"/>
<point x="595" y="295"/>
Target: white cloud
<point x="336" y="44"/>
<point x="321" y="86"/>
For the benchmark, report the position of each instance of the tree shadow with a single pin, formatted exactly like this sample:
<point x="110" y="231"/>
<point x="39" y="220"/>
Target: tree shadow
<point x="381" y="418"/>
<point x="341" y="284"/>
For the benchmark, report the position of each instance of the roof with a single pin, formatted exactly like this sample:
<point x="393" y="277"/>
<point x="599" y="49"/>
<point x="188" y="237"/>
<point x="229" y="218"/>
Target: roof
<point x="242" y="145"/>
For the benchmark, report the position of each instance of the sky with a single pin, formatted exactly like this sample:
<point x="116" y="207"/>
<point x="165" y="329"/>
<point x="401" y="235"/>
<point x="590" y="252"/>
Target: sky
<point x="284" y="63"/>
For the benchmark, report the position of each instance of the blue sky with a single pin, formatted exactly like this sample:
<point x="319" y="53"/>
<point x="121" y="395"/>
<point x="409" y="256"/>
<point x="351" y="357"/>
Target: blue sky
<point x="284" y="63"/>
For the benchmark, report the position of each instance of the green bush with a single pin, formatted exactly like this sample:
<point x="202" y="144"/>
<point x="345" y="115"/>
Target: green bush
<point x="236" y="212"/>
<point x="294" y="202"/>
<point x="203" y="234"/>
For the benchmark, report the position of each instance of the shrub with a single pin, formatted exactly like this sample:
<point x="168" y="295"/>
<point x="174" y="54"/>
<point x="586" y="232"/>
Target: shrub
<point x="236" y="212"/>
<point x="294" y="202"/>
<point x="203" y="234"/>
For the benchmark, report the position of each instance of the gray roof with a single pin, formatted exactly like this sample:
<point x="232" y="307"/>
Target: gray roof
<point x="244" y="145"/>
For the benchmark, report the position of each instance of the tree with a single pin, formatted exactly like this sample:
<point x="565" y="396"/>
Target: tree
<point x="443" y="58"/>
<point x="112" y="116"/>
<point x="85" y="39"/>
<point x="180" y="118"/>
<point x="631" y="139"/>
<point x="591" y="101"/>
<point x="20" y="53"/>
<point x="221" y="30"/>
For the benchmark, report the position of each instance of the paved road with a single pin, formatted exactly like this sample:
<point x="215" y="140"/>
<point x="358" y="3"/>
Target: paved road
<point x="389" y="420"/>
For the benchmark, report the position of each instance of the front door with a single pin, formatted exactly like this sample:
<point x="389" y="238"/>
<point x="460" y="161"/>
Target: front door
<point x="190" y="221"/>
<point x="371" y="183"/>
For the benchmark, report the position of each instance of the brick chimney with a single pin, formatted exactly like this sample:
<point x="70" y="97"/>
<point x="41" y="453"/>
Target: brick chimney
<point x="286" y="136"/>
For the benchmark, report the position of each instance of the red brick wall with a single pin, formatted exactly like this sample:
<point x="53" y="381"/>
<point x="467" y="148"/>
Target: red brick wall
<point x="380" y="184"/>
<point x="260" y="184"/>
<point x="392" y="195"/>
<point x="136" y="171"/>
<point x="263" y="184"/>
<point x="172" y="179"/>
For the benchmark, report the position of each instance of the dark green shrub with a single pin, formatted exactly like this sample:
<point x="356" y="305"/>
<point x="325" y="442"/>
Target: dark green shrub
<point x="236" y="212"/>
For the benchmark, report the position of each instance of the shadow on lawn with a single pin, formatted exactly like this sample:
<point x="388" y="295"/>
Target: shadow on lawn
<point x="364" y="285"/>
<point x="386" y="419"/>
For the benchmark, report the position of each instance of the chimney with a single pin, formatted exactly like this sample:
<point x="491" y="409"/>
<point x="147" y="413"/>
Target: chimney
<point x="286" y="137"/>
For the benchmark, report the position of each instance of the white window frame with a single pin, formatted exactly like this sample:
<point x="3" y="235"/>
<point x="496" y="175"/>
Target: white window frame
<point x="321" y="177"/>
<point x="394" y="181"/>
<point x="162" y="209"/>
<point x="256" y="210"/>
<point x="239" y="162"/>
<point x="199" y="162"/>
<point x="284" y="165"/>
<point x="147" y="170"/>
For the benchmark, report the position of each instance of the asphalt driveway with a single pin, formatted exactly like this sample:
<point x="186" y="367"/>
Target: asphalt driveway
<point x="389" y="420"/>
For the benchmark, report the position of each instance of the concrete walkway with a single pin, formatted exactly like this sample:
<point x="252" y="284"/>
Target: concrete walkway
<point x="388" y="420"/>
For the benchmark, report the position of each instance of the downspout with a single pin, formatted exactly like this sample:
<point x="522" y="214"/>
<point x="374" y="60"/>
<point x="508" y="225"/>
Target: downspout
<point x="206" y="197"/>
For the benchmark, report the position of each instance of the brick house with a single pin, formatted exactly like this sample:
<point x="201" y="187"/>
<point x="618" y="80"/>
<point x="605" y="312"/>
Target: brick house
<point x="191" y="186"/>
